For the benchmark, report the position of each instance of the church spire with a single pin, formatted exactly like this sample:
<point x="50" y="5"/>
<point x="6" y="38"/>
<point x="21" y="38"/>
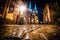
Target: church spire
<point x="35" y="8"/>
<point x="30" y="4"/>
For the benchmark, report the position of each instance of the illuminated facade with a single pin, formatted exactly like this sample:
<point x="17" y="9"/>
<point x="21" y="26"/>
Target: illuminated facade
<point x="22" y="15"/>
<point x="48" y="14"/>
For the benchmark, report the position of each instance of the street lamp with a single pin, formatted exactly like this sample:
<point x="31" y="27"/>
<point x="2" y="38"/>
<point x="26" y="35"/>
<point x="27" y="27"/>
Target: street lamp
<point x="23" y="8"/>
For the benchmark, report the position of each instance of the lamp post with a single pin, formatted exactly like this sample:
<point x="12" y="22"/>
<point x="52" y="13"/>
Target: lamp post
<point x="22" y="9"/>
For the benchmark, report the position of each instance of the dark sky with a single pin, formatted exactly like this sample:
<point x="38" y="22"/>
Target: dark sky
<point x="38" y="2"/>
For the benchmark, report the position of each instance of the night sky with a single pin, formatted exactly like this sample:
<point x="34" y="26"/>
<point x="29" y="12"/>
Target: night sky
<point x="40" y="5"/>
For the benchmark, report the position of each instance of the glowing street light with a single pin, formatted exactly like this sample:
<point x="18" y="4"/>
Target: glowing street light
<point x="22" y="8"/>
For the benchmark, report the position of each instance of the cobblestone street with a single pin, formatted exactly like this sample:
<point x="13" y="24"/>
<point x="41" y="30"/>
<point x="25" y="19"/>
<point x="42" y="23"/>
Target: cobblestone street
<point x="31" y="32"/>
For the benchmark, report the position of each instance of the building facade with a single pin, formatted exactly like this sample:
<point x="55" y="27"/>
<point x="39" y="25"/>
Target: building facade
<point x="48" y="14"/>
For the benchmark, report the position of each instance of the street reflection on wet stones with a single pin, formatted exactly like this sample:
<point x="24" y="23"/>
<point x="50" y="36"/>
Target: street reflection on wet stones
<point x="29" y="32"/>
